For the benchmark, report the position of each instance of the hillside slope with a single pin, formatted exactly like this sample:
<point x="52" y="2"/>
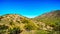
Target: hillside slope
<point x="15" y="24"/>
<point x="48" y="23"/>
<point x="52" y="19"/>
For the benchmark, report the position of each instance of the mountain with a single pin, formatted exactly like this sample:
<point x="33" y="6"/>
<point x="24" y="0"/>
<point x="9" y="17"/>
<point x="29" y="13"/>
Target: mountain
<point x="52" y="19"/>
<point x="53" y="16"/>
<point x="18" y="24"/>
<point x="48" y="23"/>
<point x="15" y="24"/>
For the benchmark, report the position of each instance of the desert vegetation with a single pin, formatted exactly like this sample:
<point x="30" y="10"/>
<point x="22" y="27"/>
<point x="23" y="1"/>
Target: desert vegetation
<point x="48" y="23"/>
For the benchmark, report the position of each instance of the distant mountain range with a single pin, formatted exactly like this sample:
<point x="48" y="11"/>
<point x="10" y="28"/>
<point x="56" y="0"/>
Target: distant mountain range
<point x="48" y="23"/>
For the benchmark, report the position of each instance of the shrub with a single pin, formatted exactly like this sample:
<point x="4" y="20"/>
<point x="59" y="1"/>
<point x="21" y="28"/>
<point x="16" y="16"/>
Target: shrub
<point x="25" y="21"/>
<point x="41" y="32"/>
<point x="57" y="26"/>
<point x="15" y="30"/>
<point x="3" y="29"/>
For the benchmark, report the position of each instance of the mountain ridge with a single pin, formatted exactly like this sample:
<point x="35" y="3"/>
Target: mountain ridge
<point x="12" y="23"/>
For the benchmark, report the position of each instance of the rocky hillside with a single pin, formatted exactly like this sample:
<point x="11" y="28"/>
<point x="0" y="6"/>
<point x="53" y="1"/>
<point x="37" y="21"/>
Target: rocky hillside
<point x="52" y="19"/>
<point x="15" y="24"/>
<point x="49" y="18"/>
<point x="48" y="23"/>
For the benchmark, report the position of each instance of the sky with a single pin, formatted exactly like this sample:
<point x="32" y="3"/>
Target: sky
<point x="28" y="8"/>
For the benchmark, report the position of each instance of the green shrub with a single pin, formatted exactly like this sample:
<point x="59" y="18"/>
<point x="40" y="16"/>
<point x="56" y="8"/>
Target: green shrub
<point x="57" y="26"/>
<point x="41" y="32"/>
<point x="54" y="32"/>
<point x="30" y="27"/>
<point x="15" y="30"/>
<point x="3" y="29"/>
<point x="25" y="21"/>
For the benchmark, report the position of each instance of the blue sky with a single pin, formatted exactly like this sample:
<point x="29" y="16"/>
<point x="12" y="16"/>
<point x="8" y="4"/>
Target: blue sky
<point x="28" y="8"/>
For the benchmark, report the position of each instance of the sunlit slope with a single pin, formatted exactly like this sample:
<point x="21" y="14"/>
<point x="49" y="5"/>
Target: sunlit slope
<point x="15" y="24"/>
<point x="49" y="18"/>
<point x="48" y="23"/>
